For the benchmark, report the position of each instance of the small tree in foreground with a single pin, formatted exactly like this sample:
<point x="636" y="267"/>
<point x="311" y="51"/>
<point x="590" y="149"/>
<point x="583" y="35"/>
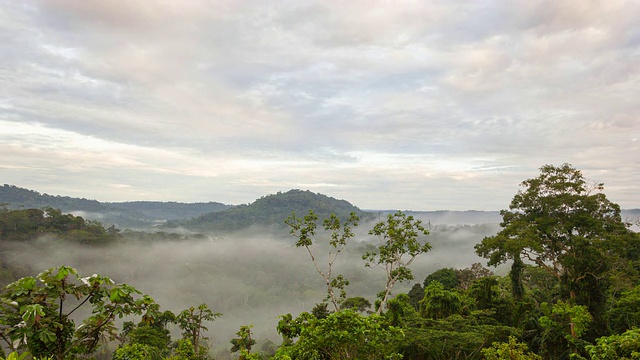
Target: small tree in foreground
<point x="191" y="321"/>
<point x="243" y="343"/>
<point x="304" y="229"/>
<point x="400" y="246"/>
<point x="36" y="312"/>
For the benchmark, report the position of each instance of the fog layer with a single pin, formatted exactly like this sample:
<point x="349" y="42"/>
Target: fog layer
<point x="251" y="277"/>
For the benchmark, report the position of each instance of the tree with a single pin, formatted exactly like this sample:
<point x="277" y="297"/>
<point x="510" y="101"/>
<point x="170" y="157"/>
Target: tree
<point x="509" y="351"/>
<point x="152" y="333"/>
<point x="183" y="351"/>
<point x="290" y="328"/>
<point x="624" y="313"/>
<point x="563" y="326"/>
<point x="191" y="321"/>
<point x="342" y="335"/>
<point x="36" y="312"/>
<point x="320" y="311"/>
<point x="566" y="226"/>
<point x="137" y="352"/>
<point x="448" y="277"/>
<point x="467" y="276"/>
<point x="439" y="303"/>
<point x="625" y="346"/>
<point x="305" y="230"/>
<point x="400" y="246"/>
<point x="357" y="303"/>
<point x="401" y="312"/>
<point x="243" y="343"/>
<point x="484" y="292"/>
<point x="415" y="295"/>
<point x="29" y="224"/>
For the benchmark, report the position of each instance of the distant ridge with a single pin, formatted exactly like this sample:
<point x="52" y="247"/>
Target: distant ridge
<point x="17" y="197"/>
<point x="267" y="210"/>
<point x="121" y="214"/>
<point x="272" y="210"/>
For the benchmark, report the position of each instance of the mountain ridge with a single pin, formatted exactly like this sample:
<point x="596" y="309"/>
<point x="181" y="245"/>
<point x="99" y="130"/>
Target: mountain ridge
<point x="272" y="210"/>
<point x="145" y="214"/>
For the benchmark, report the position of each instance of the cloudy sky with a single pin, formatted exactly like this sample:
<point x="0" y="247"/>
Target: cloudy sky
<point x="417" y="105"/>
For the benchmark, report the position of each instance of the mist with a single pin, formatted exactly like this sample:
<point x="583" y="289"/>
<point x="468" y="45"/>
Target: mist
<point x="251" y="277"/>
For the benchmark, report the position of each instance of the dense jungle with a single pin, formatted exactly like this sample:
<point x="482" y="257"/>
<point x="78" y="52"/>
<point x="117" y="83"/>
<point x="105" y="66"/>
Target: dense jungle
<point x="299" y="275"/>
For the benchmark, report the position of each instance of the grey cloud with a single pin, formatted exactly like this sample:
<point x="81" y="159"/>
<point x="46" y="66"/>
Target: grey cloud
<point x="247" y="95"/>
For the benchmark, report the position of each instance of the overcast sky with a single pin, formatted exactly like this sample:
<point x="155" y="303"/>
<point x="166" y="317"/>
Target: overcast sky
<point x="419" y="105"/>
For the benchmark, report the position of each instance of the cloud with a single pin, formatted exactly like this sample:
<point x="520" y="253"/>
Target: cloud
<point x="246" y="96"/>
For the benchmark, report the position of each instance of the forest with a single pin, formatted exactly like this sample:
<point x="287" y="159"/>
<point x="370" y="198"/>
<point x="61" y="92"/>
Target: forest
<point x="557" y="278"/>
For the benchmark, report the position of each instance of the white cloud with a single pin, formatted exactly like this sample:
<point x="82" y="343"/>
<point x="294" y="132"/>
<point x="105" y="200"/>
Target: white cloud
<point x="424" y="104"/>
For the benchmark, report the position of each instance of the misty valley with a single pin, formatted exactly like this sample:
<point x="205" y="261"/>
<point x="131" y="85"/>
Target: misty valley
<point x="556" y="276"/>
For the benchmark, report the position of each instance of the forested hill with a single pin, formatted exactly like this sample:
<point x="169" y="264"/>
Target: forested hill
<point x="272" y="210"/>
<point x="20" y="198"/>
<point x="121" y="214"/>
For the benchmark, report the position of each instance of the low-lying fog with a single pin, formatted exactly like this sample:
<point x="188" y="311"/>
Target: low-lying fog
<point x="251" y="277"/>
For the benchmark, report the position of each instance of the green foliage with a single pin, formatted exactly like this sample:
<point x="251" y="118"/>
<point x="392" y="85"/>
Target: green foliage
<point x="184" y="351"/>
<point x="512" y="350"/>
<point x="24" y="356"/>
<point x="243" y="343"/>
<point x="137" y="352"/>
<point x="343" y="335"/>
<point x="563" y="326"/>
<point x="484" y="292"/>
<point x="320" y="311"/>
<point x="401" y="312"/>
<point x="16" y="356"/>
<point x="539" y="285"/>
<point x="37" y="316"/>
<point x="439" y="303"/>
<point x="566" y="226"/>
<point x="400" y="246"/>
<point x="448" y="277"/>
<point x="467" y="276"/>
<point x="191" y="322"/>
<point x="29" y="224"/>
<point x="151" y="335"/>
<point x="625" y="346"/>
<point x="271" y="209"/>
<point x="624" y="314"/>
<point x="357" y="303"/>
<point x="456" y="337"/>
<point x="416" y="294"/>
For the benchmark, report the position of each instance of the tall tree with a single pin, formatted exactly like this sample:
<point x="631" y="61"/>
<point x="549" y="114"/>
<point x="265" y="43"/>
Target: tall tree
<point x="568" y="227"/>
<point x="401" y="243"/>
<point x="304" y="229"/>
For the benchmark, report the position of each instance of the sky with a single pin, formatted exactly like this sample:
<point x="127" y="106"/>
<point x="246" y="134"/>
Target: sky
<point x="412" y="105"/>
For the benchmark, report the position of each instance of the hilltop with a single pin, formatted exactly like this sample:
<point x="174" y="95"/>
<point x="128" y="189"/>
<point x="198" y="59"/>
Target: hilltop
<point x="271" y="210"/>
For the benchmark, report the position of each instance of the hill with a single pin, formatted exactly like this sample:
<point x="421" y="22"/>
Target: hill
<point x="135" y="214"/>
<point x="272" y="210"/>
<point x="17" y="198"/>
